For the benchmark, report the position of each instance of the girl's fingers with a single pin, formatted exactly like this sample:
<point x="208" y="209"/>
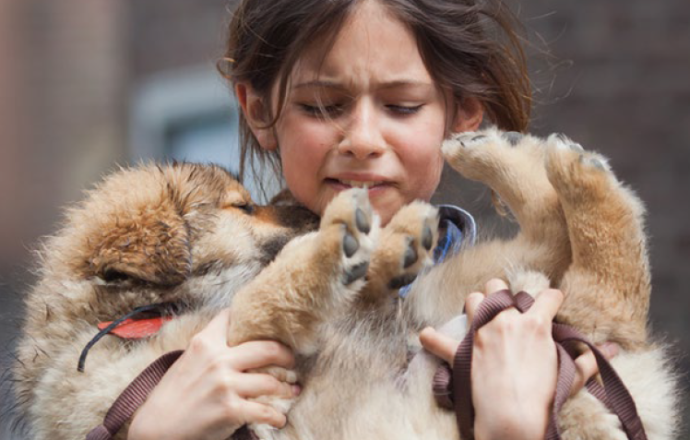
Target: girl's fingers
<point x="495" y="285"/>
<point x="261" y="413"/>
<point x="258" y="354"/>
<point x="439" y="344"/>
<point x="547" y="304"/>
<point x="254" y="385"/>
<point x="609" y="349"/>
<point x="587" y="366"/>
<point x="472" y="304"/>
<point x="217" y="329"/>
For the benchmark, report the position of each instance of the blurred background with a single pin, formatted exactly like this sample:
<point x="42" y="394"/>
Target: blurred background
<point x="89" y="84"/>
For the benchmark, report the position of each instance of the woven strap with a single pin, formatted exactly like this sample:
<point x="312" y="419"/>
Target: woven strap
<point x="133" y="397"/>
<point x="456" y="388"/>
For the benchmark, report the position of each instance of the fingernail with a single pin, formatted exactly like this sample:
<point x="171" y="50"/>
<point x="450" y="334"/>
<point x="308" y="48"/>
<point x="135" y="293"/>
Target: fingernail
<point x="296" y="390"/>
<point x="610" y="349"/>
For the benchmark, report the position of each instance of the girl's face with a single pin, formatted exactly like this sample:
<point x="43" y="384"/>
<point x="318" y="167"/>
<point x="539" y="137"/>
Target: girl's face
<point x="368" y="114"/>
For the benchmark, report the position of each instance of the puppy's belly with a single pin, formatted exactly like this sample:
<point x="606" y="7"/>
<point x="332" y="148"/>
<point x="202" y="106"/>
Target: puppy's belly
<point x="366" y="389"/>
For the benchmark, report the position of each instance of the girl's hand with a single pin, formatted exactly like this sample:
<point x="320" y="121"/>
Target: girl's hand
<point x="514" y="366"/>
<point x="205" y="393"/>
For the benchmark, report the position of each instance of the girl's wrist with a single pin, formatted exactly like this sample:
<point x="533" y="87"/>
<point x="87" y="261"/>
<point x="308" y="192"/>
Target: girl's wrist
<point x="136" y="432"/>
<point x="513" y="425"/>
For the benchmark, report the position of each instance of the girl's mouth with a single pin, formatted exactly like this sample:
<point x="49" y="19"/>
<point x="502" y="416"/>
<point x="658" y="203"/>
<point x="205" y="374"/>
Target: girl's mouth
<point x="370" y="185"/>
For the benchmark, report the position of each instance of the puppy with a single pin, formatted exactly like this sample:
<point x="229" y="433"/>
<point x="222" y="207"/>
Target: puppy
<point x="181" y="234"/>
<point x="190" y="236"/>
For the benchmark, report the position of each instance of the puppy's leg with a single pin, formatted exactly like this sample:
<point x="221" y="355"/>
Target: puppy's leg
<point x="312" y="279"/>
<point x="610" y="268"/>
<point x="607" y="292"/>
<point x="512" y="165"/>
<point x="405" y="249"/>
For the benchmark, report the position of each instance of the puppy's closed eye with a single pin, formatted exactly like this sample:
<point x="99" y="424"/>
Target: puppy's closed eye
<point x="247" y="208"/>
<point x="114" y="276"/>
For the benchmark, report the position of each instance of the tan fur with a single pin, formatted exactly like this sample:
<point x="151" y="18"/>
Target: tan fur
<point x="177" y="233"/>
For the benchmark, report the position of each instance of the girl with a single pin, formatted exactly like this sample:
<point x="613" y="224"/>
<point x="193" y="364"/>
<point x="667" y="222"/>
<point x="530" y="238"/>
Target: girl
<point x="344" y="93"/>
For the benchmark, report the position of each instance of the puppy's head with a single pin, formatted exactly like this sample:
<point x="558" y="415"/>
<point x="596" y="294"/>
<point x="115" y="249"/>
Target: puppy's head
<point x="159" y="233"/>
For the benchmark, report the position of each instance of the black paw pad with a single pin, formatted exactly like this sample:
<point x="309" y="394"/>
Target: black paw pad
<point x="350" y="244"/>
<point x="513" y="137"/>
<point x="576" y="147"/>
<point x="593" y="162"/>
<point x="401" y="281"/>
<point x="355" y="273"/>
<point x="362" y="221"/>
<point x="427" y="238"/>
<point x="563" y="138"/>
<point x="410" y="255"/>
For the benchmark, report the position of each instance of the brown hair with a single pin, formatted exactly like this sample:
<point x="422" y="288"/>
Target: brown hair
<point x="470" y="47"/>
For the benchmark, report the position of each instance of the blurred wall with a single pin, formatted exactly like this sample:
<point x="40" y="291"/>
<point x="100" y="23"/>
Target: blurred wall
<point x="616" y="78"/>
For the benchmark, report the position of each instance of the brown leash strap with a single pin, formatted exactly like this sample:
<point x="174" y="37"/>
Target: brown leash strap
<point x="613" y="392"/>
<point x="133" y="397"/>
<point x="618" y="398"/>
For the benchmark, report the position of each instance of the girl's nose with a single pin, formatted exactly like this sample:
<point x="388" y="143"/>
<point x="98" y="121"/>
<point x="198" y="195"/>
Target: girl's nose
<point x="362" y="137"/>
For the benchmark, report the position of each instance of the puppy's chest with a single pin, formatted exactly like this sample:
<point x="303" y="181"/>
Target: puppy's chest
<point x="364" y="350"/>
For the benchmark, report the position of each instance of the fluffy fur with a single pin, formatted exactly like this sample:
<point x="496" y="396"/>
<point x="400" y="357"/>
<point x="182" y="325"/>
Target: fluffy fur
<point x="191" y="235"/>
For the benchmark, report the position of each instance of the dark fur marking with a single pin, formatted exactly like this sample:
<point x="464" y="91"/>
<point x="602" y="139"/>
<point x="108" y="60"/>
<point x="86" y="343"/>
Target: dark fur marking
<point x="297" y="217"/>
<point x="402" y="280"/>
<point x="271" y="248"/>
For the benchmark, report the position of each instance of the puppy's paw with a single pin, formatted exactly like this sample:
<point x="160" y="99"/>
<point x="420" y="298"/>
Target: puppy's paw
<point x="350" y="220"/>
<point x="406" y="247"/>
<point x="282" y="404"/>
<point x="486" y="155"/>
<point x="512" y="165"/>
<point x="586" y="184"/>
<point x="577" y="175"/>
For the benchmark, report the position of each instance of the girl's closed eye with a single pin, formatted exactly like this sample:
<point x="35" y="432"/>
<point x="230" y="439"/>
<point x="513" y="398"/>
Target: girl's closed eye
<point x="321" y="110"/>
<point x="404" y="110"/>
<point x="337" y="109"/>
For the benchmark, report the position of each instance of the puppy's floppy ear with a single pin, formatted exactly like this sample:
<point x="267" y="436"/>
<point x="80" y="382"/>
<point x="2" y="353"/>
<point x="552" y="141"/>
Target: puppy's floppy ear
<point x="150" y="245"/>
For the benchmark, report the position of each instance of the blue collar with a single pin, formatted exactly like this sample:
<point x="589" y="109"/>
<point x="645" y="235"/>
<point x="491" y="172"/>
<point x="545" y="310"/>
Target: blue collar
<point x="458" y="229"/>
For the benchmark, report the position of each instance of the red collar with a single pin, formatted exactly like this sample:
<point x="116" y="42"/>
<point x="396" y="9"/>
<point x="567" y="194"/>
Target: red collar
<point x="135" y="329"/>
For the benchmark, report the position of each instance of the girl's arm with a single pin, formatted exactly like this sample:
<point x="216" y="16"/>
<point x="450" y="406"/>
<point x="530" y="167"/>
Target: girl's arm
<point x="514" y="367"/>
<point x="206" y="393"/>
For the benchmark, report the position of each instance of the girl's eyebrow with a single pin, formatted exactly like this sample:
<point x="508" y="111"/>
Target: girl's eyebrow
<point x="321" y="84"/>
<point x="384" y="85"/>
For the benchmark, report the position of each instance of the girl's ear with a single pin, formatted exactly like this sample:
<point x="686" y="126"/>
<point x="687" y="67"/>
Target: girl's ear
<point x="468" y="116"/>
<point x="257" y="114"/>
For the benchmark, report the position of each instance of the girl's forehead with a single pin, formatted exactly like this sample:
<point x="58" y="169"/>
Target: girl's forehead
<point x="372" y="46"/>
